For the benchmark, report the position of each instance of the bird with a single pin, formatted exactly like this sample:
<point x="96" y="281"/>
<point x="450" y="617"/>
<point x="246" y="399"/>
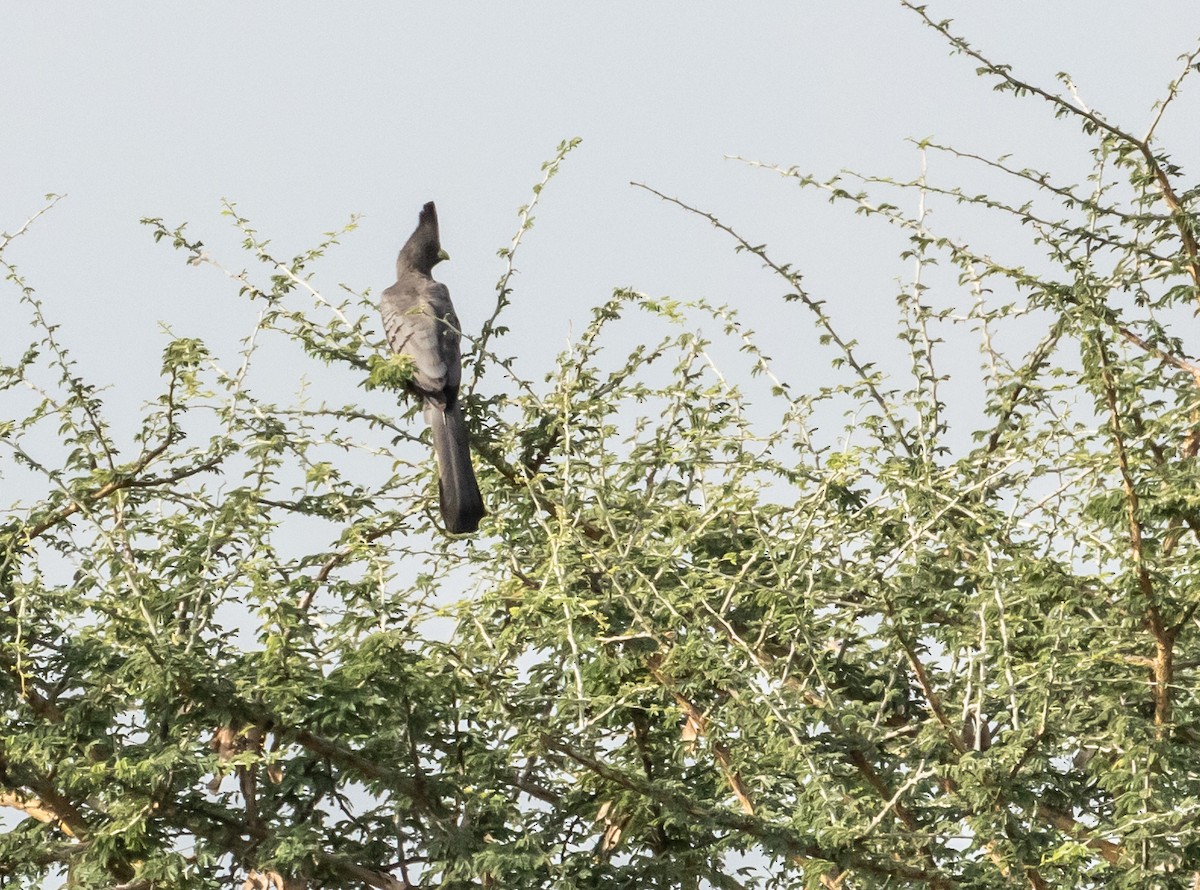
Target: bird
<point x="419" y="321"/>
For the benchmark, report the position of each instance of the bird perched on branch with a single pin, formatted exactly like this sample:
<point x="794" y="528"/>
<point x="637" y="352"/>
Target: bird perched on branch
<point x="419" y="321"/>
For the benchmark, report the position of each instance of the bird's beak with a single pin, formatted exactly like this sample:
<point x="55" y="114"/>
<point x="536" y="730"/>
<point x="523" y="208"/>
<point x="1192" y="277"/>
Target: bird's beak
<point x="442" y="255"/>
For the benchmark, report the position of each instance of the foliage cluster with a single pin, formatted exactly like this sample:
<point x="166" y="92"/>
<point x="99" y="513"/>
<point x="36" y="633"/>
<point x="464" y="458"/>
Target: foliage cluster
<point x="698" y="642"/>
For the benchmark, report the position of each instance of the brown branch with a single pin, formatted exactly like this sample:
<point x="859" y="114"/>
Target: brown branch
<point x="352" y="760"/>
<point x="524" y="483"/>
<point x="959" y="746"/>
<point x="1036" y="360"/>
<point x="953" y="732"/>
<point x="1110" y="852"/>
<point x="1163" y="638"/>
<point x="244" y="713"/>
<point x="339" y="557"/>
<point x="1167" y="357"/>
<point x="776" y="837"/>
<point x="1166" y="190"/>
<point x="1042" y="181"/>
<point x="793" y="279"/>
<point x="228" y="831"/>
<point x="35" y="808"/>
<point x="857" y="756"/>
<point x="65" y="814"/>
<point x="127" y="479"/>
<point x="699" y="722"/>
<point x="1180" y="216"/>
<point x="37" y="702"/>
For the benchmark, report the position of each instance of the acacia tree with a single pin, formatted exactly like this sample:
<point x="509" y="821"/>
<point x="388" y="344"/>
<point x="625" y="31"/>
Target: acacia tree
<point x="699" y="641"/>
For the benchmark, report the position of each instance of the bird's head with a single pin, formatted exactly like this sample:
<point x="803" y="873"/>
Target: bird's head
<point x="423" y="250"/>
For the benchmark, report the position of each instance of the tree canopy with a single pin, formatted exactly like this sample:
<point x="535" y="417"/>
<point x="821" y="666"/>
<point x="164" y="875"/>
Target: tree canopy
<point x="720" y="629"/>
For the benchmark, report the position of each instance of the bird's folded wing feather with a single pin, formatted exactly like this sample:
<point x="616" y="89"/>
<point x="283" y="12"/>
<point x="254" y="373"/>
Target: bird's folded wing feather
<point x="412" y="321"/>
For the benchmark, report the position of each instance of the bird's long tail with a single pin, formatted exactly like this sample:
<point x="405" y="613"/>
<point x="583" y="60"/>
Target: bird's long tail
<point x="458" y="492"/>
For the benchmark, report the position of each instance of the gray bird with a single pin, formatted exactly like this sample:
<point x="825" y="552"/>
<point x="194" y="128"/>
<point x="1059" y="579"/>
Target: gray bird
<point x="419" y="321"/>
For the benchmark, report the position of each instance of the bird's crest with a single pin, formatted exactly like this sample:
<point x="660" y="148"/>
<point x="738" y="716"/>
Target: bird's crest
<point x="423" y="249"/>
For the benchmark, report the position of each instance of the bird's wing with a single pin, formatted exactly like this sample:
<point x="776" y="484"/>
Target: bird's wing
<point x="419" y="321"/>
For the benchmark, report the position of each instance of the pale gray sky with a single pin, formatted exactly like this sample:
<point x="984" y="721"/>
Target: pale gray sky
<point x="304" y="113"/>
